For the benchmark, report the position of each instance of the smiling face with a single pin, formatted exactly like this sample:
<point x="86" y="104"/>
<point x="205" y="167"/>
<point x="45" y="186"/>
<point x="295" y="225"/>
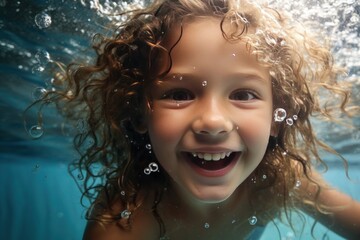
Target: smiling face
<point x="211" y="114"/>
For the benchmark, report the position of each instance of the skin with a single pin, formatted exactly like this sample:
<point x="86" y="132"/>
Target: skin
<point x="233" y="112"/>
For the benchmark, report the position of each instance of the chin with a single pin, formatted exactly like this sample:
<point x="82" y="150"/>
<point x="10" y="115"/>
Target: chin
<point x="214" y="197"/>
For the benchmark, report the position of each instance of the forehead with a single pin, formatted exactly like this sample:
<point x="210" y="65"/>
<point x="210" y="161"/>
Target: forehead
<point x="199" y="43"/>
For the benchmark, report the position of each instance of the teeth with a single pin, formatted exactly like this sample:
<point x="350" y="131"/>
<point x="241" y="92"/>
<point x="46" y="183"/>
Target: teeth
<point x="211" y="156"/>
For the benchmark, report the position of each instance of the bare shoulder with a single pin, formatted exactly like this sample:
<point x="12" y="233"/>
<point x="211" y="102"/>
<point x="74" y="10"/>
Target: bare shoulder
<point x="343" y="215"/>
<point x="143" y="227"/>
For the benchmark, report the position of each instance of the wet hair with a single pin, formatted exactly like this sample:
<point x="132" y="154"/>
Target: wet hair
<point x="111" y="98"/>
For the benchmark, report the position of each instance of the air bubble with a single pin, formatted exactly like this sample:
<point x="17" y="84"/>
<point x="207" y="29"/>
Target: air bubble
<point x="36" y="131"/>
<point x="234" y="54"/>
<point x="206" y="225"/>
<point x="295" y="117"/>
<point x="297" y="184"/>
<point x="125" y="214"/>
<point x="148" y="146"/>
<point x="122" y="193"/>
<point x="289" y="121"/>
<point x="39" y="93"/>
<point x="264" y="176"/>
<point x="204" y="83"/>
<point x="252" y="220"/>
<point x="279" y="114"/>
<point x="43" y="20"/>
<point x="147" y="171"/>
<point x="180" y="78"/>
<point x="42" y="56"/>
<point x="153" y="167"/>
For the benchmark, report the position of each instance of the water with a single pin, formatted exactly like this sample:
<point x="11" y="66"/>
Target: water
<point x="38" y="198"/>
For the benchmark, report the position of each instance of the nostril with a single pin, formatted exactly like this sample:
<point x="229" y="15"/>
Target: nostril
<point x="204" y="132"/>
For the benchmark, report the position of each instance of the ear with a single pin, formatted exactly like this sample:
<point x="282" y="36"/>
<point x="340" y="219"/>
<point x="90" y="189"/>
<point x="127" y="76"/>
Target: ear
<point x="140" y="129"/>
<point x="139" y="125"/>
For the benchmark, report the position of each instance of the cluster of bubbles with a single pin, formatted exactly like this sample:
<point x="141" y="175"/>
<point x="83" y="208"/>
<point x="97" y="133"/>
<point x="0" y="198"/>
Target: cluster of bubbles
<point x="42" y="58"/>
<point x="280" y="115"/>
<point x="254" y="179"/>
<point x="148" y="147"/>
<point x="111" y="9"/>
<point x="339" y="21"/>
<point x="153" y="167"/>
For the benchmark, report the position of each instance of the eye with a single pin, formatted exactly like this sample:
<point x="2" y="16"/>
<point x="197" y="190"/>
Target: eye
<point x="178" y="95"/>
<point x="243" y="95"/>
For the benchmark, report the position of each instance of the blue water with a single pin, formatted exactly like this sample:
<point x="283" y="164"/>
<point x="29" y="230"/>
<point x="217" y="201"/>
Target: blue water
<point x="38" y="198"/>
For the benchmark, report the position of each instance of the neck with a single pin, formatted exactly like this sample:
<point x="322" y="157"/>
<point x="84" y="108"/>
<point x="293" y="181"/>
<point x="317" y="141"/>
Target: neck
<point x="233" y="208"/>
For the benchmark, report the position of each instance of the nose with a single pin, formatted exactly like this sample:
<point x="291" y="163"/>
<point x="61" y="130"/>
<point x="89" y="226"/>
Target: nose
<point x="212" y="119"/>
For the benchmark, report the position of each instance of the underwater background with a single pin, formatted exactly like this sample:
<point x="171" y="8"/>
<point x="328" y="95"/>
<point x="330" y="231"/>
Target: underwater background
<point x="39" y="200"/>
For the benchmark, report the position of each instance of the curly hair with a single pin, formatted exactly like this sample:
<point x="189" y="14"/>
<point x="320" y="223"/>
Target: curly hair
<point x="111" y="97"/>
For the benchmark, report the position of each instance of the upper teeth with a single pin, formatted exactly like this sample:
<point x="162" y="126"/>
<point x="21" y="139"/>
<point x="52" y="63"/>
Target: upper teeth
<point x="211" y="156"/>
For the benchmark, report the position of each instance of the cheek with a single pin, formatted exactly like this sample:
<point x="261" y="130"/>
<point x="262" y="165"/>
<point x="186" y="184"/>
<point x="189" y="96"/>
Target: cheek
<point x="163" y="128"/>
<point x="256" y="130"/>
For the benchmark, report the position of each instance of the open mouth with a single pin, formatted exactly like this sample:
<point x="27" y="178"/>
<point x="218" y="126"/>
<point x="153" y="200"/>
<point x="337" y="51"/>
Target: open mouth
<point x="212" y="162"/>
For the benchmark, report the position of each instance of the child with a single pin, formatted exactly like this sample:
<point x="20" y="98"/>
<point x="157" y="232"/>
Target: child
<point x="198" y="124"/>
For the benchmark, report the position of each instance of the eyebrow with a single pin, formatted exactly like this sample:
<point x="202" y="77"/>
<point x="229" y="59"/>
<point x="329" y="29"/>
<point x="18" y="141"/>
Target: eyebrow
<point x="248" y="76"/>
<point x="236" y="75"/>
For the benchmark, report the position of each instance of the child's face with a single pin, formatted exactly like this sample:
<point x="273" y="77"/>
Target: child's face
<point x="215" y="101"/>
